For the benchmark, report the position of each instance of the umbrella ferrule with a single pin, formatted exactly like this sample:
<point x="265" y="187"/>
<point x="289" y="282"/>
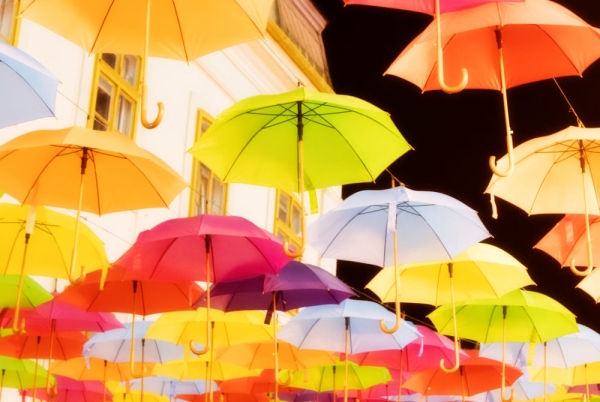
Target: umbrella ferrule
<point x="207" y="243"/>
<point x="504" y="310"/>
<point x="84" y="160"/>
<point x="450" y="269"/>
<point x="300" y="123"/>
<point x="135" y="284"/>
<point x="498" y="33"/>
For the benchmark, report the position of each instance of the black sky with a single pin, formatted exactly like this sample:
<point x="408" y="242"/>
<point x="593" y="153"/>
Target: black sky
<point x="453" y="135"/>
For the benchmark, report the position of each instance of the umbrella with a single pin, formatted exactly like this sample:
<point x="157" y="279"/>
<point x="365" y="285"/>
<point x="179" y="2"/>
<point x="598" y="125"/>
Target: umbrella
<point x="296" y="285"/>
<point x="20" y="374"/>
<point x="28" y="88"/>
<point x="62" y="346"/>
<point x="74" y="391"/>
<point x="227" y="397"/>
<point x="300" y="140"/>
<point x="263" y="383"/>
<point x="397" y="225"/>
<point x="85" y="170"/>
<point x="555" y="174"/>
<point x="476" y="375"/>
<point x="576" y="349"/>
<point x="180" y="30"/>
<point x="199" y="368"/>
<point x="125" y="292"/>
<point x="47" y="252"/>
<point x="170" y="387"/>
<point x="434" y="8"/>
<point x="524" y="390"/>
<point x="325" y="378"/>
<point x="82" y="369"/>
<point x="518" y="316"/>
<point x="502" y="45"/>
<point x="33" y="294"/>
<point x="351" y="327"/>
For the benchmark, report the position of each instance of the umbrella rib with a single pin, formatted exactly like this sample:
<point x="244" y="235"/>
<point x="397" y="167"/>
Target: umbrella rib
<point x="97" y="36"/>
<point x="489" y="325"/>
<point x="559" y="47"/>
<point x="187" y="57"/>
<point x="334" y="238"/>
<point x="14" y="244"/>
<point x="30" y="86"/>
<point x="258" y="28"/>
<point x="57" y="246"/>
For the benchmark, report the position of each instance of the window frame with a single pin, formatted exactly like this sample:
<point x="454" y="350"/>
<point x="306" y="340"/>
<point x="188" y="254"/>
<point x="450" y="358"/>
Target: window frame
<point x="285" y="229"/>
<point x="195" y="193"/>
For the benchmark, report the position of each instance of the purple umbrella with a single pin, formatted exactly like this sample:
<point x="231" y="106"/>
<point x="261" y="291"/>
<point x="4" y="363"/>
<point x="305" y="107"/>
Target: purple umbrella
<point x="295" y="285"/>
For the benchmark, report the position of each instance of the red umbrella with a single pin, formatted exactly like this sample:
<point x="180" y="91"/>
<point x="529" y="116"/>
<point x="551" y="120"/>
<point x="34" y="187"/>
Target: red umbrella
<point x="63" y="346"/>
<point x="71" y="390"/>
<point x="475" y="375"/>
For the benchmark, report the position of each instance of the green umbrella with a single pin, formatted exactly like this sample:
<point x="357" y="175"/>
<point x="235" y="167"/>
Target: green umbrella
<point x="20" y="374"/>
<point x="33" y="293"/>
<point x="331" y="377"/>
<point x="267" y="140"/>
<point x="518" y="316"/>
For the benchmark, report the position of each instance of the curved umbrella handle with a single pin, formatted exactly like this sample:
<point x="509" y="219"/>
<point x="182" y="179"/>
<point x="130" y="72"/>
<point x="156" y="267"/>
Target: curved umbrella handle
<point x="590" y="257"/>
<point x="511" y="163"/>
<point x="144" y="110"/>
<point x="292" y="253"/>
<point x="577" y="272"/>
<point x="456" y="358"/>
<point x="16" y="328"/>
<point x="456" y="347"/>
<point x="440" y="64"/>
<point x="136" y="375"/>
<point x="52" y="391"/>
<point x="79" y="280"/>
<point x="283" y="383"/>
<point x="512" y="395"/>
<point x="396" y="325"/>
<point x="198" y="352"/>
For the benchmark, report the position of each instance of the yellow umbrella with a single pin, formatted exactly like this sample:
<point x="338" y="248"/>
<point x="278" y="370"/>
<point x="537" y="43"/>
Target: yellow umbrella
<point x="175" y="29"/>
<point x="39" y="241"/>
<point x="482" y="271"/>
<point x="188" y="327"/>
<point x="259" y="355"/>
<point x="199" y="368"/>
<point x="583" y="374"/>
<point x="85" y="170"/>
<point x="97" y="369"/>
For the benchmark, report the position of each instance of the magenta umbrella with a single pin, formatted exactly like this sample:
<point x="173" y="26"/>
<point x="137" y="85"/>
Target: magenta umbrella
<point x="296" y="285"/>
<point x="210" y="248"/>
<point x="71" y="390"/>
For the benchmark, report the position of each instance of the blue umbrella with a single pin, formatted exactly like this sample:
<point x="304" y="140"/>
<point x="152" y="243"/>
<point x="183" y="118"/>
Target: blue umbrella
<point x="349" y="327"/>
<point x="167" y="386"/>
<point x="28" y="88"/>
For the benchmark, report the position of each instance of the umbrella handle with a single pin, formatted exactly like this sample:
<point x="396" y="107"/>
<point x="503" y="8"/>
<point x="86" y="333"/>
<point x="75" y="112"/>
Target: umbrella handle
<point x="136" y="375"/>
<point x="577" y="272"/>
<point x="512" y="395"/>
<point x="511" y="163"/>
<point x="456" y="347"/>
<point x="144" y="111"/>
<point x="78" y="280"/>
<point x="587" y="231"/>
<point x="292" y="253"/>
<point x="198" y="352"/>
<point x="16" y="328"/>
<point x="440" y="53"/>
<point x="396" y="325"/>
<point x="52" y="391"/>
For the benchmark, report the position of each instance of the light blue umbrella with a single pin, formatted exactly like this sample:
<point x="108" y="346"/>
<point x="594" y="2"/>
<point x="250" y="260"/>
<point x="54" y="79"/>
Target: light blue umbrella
<point x="115" y="346"/>
<point x="570" y="350"/>
<point x="170" y="387"/>
<point x="524" y="390"/>
<point x="516" y="353"/>
<point x="28" y="88"/>
<point x="349" y="327"/>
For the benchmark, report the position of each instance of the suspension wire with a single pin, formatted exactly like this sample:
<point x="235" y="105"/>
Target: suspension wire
<point x="572" y="109"/>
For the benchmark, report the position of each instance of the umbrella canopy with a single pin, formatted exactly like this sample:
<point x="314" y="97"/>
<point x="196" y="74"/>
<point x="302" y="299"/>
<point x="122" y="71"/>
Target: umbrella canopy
<point x="84" y="369"/>
<point x="72" y="390"/>
<point x="33" y="294"/>
<point x="115" y="346"/>
<point x="20" y="374"/>
<point x="29" y="89"/>
<point x="569" y="350"/>
<point x="502" y="45"/>
<point x="476" y="374"/>
<point x="199" y="368"/>
<point x="170" y="387"/>
<point x="577" y="375"/>
<point x="259" y="355"/>
<point x="481" y="271"/>
<point x="263" y="383"/>
<point x="530" y="317"/>
<point x="61" y="346"/>
<point x="227" y="397"/>
<point x="296" y="285"/>
<point x="330" y="377"/>
<point x="555" y="174"/>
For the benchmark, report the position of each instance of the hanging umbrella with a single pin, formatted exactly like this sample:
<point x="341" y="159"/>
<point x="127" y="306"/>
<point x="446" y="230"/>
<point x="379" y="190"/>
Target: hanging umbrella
<point x="126" y="291"/>
<point x="170" y="387"/>
<point x="590" y="284"/>
<point x="296" y="285"/>
<point x="524" y="390"/>
<point x="20" y="374"/>
<point x="84" y="369"/>
<point x="300" y="141"/>
<point x="47" y="252"/>
<point x="555" y="174"/>
<point x="137" y="396"/>
<point x="263" y="383"/>
<point x="397" y="225"/>
<point x="353" y="326"/>
<point x="518" y="316"/>
<point x="70" y="390"/>
<point x="50" y="167"/>
<point x="325" y="378"/>
<point x="476" y="375"/>
<point x="28" y="88"/>
<point x="32" y="293"/>
<point x="62" y="346"/>
<point x="502" y="45"/>
<point x="199" y="368"/>
<point x="227" y="397"/>
<point x="180" y="30"/>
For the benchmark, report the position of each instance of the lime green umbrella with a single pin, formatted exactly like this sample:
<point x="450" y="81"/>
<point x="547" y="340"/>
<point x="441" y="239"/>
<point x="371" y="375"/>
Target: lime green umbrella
<point x="300" y="140"/>
<point x="33" y="294"/>
<point x="518" y="316"/>
<point x="20" y="374"/>
<point x="332" y="376"/>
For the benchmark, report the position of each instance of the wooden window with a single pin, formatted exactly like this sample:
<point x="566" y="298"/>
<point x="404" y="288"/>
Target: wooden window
<point x="116" y="93"/>
<point x="287" y="218"/>
<point x="209" y="193"/>
<point x="8" y="21"/>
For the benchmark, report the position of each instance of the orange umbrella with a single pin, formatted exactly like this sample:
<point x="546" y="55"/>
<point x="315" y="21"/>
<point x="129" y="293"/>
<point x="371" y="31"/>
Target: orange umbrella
<point x="60" y="346"/>
<point x="91" y="368"/>
<point x="227" y="397"/>
<point x="476" y="375"/>
<point x="502" y="45"/>
<point x="264" y="382"/>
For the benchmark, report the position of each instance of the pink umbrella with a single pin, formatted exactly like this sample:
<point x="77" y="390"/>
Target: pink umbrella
<point x="74" y="391"/>
<point x="208" y="248"/>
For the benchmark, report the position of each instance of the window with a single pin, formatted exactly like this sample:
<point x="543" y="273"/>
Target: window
<point x="8" y="20"/>
<point x="287" y="218"/>
<point x="116" y="93"/>
<point x="209" y="193"/>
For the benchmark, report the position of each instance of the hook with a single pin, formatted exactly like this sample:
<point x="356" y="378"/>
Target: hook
<point x="511" y="163"/>
<point x="144" y="111"/>
<point x="456" y="365"/>
<point x="440" y="64"/>
<point x="16" y="328"/>
<point x="577" y="272"/>
<point x="396" y="325"/>
<point x="52" y="391"/>
<point x="512" y="394"/>
<point x="292" y="253"/>
<point x="284" y="383"/>
<point x="133" y="373"/>
<point x="456" y="354"/>
<point x="79" y="280"/>
<point x="198" y="352"/>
